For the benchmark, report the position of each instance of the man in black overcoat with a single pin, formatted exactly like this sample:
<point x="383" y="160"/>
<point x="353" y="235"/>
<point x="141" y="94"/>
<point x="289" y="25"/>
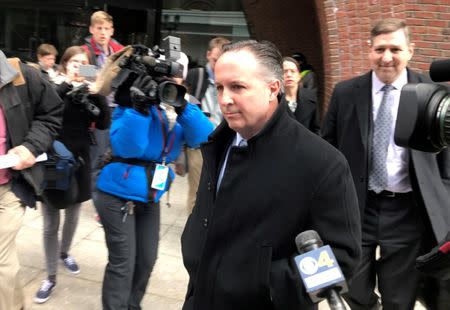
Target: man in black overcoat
<point x="265" y="179"/>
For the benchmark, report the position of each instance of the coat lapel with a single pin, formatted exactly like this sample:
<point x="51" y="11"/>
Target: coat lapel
<point x="363" y="101"/>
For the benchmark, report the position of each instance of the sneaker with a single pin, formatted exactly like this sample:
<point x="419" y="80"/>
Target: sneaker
<point x="71" y="265"/>
<point x="44" y="292"/>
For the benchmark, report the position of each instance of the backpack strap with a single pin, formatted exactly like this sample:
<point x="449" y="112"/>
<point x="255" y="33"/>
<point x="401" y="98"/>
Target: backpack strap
<point x="92" y="58"/>
<point x="19" y="80"/>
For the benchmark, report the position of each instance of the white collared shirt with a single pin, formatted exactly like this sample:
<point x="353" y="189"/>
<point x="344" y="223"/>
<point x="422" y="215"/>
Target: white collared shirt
<point x="397" y="161"/>
<point x="236" y="141"/>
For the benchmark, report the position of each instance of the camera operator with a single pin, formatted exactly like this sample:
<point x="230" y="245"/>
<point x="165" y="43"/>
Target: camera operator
<point x="80" y="109"/>
<point x="144" y="139"/>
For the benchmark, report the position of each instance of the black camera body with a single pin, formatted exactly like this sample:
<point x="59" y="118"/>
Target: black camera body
<point x="423" y="119"/>
<point x="80" y="95"/>
<point x="159" y="64"/>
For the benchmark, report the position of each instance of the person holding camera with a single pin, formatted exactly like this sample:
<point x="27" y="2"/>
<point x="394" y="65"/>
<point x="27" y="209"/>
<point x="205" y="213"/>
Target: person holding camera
<point x="80" y="109"/>
<point x="399" y="190"/>
<point x="146" y="135"/>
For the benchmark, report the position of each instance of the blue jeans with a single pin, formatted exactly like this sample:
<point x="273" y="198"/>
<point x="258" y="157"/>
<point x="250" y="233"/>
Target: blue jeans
<point x="132" y="250"/>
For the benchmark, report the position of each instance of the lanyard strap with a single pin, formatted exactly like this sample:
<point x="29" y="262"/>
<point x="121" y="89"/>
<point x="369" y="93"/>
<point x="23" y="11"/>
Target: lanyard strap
<point x="167" y="145"/>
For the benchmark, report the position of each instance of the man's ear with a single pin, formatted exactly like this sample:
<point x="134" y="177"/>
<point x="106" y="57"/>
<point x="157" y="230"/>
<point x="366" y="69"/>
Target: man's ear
<point x="411" y="49"/>
<point x="90" y="29"/>
<point x="274" y="88"/>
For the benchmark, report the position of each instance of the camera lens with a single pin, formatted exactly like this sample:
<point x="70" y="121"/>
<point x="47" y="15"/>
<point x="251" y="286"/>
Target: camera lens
<point x="169" y="93"/>
<point x="443" y="121"/>
<point x="423" y="120"/>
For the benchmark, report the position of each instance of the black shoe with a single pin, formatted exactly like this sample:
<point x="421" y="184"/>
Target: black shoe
<point x="44" y="292"/>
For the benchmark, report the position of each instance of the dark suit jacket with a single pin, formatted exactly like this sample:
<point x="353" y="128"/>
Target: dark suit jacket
<point x="348" y="126"/>
<point x="306" y="112"/>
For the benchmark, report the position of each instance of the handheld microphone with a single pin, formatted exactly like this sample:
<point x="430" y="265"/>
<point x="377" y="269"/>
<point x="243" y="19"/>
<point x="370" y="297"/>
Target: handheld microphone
<point x="319" y="270"/>
<point x="440" y="70"/>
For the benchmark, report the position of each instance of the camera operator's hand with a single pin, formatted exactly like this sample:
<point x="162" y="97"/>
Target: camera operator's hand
<point x="140" y="93"/>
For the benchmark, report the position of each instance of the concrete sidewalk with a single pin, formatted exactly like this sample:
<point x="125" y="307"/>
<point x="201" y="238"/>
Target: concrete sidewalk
<point x="168" y="282"/>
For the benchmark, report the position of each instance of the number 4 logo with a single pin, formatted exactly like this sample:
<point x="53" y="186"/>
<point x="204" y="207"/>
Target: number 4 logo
<point x="325" y="260"/>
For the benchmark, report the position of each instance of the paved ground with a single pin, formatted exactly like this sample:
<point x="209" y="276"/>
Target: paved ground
<point x="83" y="291"/>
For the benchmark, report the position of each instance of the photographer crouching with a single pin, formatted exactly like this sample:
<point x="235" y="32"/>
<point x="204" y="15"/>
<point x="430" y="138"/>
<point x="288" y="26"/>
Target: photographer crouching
<point x="149" y="128"/>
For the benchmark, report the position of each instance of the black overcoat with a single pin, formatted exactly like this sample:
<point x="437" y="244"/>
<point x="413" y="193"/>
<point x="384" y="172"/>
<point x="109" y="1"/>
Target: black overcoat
<point x="306" y="112"/>
<point x="238" y="244"/>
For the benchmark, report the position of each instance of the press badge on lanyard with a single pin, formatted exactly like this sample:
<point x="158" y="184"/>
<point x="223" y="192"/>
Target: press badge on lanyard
<point x="160" y="177"/>
<point x="161" y="170"/>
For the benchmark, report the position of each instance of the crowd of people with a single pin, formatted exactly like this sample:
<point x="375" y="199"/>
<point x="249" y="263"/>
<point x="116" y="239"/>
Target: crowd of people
<point x="262" y="168"/>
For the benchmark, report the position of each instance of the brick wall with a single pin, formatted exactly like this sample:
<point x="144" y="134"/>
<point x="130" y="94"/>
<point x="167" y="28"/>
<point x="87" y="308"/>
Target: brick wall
<point x="334" y="34"/>
<point x="346" y="25"/>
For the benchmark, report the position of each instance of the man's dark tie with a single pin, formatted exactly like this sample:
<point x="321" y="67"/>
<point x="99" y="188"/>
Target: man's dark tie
<point x="381" y="136"/>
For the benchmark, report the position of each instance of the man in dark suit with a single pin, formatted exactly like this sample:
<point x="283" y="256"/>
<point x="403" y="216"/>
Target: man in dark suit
<point x="400" y="191"/>
<point x="265" y="179"/>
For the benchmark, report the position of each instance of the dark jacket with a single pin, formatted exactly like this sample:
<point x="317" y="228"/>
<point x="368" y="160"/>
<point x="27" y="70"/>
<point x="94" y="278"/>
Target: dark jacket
<point x="33" y="113"/>
<point x="306" y="112"/>
<point x="238" y="245"/>
<point x="75" y="133"/>
<point x="348" y="126"/>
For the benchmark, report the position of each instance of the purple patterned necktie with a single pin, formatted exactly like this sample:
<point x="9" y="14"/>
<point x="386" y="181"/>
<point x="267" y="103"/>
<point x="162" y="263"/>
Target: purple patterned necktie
<point x="381" y="136"/>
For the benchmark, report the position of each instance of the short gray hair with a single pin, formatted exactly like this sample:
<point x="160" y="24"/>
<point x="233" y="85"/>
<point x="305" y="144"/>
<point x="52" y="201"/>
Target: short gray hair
<point x="267" y="55"/>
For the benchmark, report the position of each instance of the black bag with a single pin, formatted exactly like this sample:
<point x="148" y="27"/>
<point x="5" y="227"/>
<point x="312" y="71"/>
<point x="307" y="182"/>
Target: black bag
<point x="60" y="185"/>
<point x="59" y="168"/>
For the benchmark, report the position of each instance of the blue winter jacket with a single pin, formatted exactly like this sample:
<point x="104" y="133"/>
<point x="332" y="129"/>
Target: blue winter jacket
<point x="145" y="138"/>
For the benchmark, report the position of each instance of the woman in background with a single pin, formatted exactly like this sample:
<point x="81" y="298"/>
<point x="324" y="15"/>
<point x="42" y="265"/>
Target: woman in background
<point x="80" y="109"/>
<point x="302" y="102"/>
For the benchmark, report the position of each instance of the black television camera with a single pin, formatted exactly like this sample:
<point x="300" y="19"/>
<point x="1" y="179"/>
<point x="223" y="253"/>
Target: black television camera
<point x="149" y="61"/>
<point x="423" y="119"/>
<point x="80" y="95"/>
<point x="423" y="123"/>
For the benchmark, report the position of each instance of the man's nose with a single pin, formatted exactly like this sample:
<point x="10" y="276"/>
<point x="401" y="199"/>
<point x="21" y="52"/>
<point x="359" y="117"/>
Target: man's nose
<point x="387" y="56"/>
<point x="224" y="97"/>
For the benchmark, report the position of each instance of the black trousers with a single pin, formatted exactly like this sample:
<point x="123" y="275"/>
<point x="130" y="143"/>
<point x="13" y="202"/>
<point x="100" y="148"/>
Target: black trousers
<point x="395" y="225"/>
<point x="132" y="250"/>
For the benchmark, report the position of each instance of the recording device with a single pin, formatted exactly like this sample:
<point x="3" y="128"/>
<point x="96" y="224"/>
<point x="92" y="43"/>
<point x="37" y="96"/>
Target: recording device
<point x="423" y="123"/>
<point x="87" y="71"/>
<point x="319" y="270"/>
<point x="80" y="95"/>
<point x="423" y="119"/>
<point x="158" y="63"/>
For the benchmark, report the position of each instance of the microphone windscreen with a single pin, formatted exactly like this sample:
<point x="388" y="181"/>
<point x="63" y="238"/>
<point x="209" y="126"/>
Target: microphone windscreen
<point x="306" y="239"/>
<point x="149" y="60"/>
<point x="440" y="70"/>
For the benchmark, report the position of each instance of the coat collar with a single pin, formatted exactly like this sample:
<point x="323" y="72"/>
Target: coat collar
<point x="363" y="99"/>
<point x="214" y="149"/>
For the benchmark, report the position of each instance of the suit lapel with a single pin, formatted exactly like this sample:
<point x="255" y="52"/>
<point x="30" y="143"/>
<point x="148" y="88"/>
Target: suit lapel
<point x="363" y="101"/>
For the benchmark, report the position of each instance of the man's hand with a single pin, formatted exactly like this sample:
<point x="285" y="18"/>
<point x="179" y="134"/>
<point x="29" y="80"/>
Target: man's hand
<point x="143" y="93"/>
<point x="26" y="158"/>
